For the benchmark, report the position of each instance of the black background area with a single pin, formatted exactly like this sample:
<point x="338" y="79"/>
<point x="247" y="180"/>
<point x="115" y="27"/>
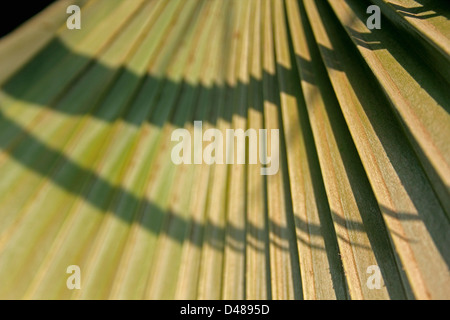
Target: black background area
<point x="14" y="13"/>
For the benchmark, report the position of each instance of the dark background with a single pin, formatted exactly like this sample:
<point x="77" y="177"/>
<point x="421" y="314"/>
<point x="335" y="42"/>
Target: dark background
<point x="13" y="13"/>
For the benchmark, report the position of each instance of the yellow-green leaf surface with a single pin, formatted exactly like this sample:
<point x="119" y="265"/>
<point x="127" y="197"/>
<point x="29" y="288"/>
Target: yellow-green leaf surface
<point x="86" y="170"/>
